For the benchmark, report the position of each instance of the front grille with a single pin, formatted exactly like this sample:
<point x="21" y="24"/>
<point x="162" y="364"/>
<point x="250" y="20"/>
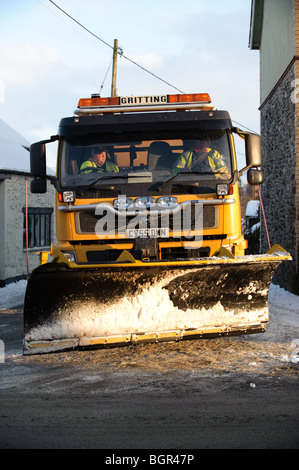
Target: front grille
<point x="170" y="253"/>
<point x="102" y="256"/>
<point x="184" y="253"/>
<point x="86" y="220"/>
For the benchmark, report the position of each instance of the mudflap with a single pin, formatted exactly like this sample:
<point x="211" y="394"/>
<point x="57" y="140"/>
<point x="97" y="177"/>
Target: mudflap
<point x="238" y="285"/>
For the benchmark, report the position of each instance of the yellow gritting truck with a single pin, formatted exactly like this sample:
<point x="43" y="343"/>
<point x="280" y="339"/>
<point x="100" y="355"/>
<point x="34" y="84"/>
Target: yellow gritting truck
<point x="149" y="244"/>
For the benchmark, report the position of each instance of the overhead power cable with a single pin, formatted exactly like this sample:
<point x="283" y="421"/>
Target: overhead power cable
<point x="120" y="52"/>
<point x="244" y="127"/>
<point x="111" y="47"/>
<point x="105" y="76"/>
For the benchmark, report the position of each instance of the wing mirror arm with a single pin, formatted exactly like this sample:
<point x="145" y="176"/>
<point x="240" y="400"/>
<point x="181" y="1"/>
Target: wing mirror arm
<point x="253" y="156"/>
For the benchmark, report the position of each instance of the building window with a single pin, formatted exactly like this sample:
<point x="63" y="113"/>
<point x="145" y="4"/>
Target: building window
<point x="39" y="227"/>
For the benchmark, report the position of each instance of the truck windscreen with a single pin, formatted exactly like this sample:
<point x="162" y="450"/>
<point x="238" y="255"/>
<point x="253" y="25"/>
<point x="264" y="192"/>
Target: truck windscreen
<point x="193" y="155"/>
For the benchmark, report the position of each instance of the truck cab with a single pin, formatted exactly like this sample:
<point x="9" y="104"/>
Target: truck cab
<point x="168" y="186"/>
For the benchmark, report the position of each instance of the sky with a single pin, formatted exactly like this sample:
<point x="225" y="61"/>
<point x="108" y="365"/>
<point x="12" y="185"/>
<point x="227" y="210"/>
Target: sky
<point x="48" y="61"/>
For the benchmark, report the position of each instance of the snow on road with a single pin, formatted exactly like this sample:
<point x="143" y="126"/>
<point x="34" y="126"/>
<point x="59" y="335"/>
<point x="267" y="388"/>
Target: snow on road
<point x="283" y="308"/>
<point x="226" y="392"/>
<point x="273" y="353"/>
<point x="13" y="294"/>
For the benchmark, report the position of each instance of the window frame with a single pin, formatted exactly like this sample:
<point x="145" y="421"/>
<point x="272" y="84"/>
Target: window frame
<point x="39" y="236"/>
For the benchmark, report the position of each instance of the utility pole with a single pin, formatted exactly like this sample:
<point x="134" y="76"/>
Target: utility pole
<point x="114" y="68"/>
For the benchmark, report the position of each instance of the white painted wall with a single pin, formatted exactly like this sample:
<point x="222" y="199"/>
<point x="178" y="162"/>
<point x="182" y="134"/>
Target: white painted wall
<point x="12" y="200"/>
<point x="277" y="43"/>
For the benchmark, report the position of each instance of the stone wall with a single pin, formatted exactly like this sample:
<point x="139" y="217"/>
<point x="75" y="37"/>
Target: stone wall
<point x="278" y="132"/>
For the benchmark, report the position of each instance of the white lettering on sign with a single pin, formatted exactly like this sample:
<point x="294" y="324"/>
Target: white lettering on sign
<point x="133" y="100"/>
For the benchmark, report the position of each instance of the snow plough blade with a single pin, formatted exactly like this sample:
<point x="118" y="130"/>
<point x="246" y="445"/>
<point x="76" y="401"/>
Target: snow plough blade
<point x="127" y="303"/>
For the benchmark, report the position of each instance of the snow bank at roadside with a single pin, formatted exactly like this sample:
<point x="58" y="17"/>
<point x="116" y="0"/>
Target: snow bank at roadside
<point x="12" y="294"/>
<point x="284" y="304"/>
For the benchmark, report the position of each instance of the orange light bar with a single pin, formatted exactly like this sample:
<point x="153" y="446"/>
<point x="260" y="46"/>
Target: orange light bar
<point x="198" y="97"/>
<point x="97" y="102"/>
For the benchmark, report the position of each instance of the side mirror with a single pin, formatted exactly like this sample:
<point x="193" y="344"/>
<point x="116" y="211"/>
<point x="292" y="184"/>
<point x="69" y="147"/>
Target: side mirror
<point x="255" y="176"/>
<point x="253" y="150"/>
<point x="38" y="160"/>
<point x="38" y="186"/>
<point x="38" y="167"/>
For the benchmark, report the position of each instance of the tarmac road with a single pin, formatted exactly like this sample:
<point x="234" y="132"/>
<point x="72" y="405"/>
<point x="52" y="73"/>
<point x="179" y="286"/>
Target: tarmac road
<point x="223" y="393"/>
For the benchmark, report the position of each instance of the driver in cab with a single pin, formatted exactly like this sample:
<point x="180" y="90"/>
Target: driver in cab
<point x="99" y="162"/>
<point x="201" y="159"/>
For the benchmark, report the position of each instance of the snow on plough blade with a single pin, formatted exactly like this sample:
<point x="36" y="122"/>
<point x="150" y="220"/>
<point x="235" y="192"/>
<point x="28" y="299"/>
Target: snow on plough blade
<point x="129" y="303"/>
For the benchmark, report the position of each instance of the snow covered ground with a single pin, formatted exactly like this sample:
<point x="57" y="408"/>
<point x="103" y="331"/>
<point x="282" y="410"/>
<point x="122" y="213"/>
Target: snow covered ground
<point x="13" y="294"/>
<point x="239" y="391"/>
<point x="283" y="309"/>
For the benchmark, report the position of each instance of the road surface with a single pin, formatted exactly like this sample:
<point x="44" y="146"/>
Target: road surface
<point x="239" y="392"/>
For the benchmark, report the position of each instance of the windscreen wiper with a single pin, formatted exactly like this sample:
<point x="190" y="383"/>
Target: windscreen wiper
<point x="169" y="181"/>
<point x="108" y="177"/>
<point x="87" y="187"/>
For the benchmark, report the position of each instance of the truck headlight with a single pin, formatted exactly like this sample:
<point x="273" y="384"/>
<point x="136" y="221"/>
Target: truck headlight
<point x="144" y="202"/>
<point x="167" y="202"/>
<point x="122" y="203"/>
<point x="224" y="189"/>
<point x="70" y="256"/>
<point x="68" y="196"/>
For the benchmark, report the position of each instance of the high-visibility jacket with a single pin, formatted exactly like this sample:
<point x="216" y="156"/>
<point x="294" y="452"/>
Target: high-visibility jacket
<point x="212" y="159"/>
<point x="108" y="166"/>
